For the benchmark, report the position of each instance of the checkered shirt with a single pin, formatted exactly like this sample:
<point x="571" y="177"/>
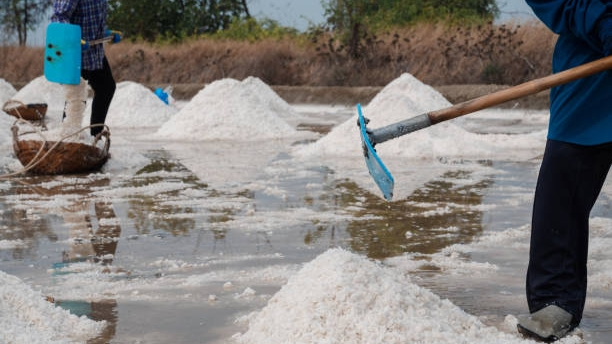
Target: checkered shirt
<point x="90" y="15"/>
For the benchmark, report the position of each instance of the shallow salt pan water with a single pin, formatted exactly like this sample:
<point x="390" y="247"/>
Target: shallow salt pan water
<point x="223" y="240"/>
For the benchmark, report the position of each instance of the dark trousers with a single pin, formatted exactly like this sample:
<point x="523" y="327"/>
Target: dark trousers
<point x="103" y="85"/>
<point x="569" y="182"/>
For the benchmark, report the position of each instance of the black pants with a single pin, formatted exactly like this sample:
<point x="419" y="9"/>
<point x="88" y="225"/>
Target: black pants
<point x="103" y="85"/>
<point x="570" y="179"/>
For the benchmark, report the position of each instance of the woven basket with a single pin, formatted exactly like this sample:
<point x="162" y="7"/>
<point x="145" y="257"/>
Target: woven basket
<point x="29" y="112"/>
<point x="60" y="157"/>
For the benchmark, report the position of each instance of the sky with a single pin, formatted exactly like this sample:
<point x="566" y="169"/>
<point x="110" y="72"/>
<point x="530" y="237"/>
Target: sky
<point x="293" y="13"/>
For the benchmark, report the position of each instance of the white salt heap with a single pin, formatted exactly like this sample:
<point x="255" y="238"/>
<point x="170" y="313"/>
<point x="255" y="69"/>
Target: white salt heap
<point x="40" y="90"/>
<point x="135" y="106"/>
<point x="7" y="91"/>
<point x="230" y="109"/>
<point x="407" y="97"/>
<point x="26" y="317"/>
<point x="404" y="98"/>
<point x="341" y="297"/>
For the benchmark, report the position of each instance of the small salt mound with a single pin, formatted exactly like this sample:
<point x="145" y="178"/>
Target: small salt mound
<point x="230" y="109"/>
<point x="135" y="106"/>
<point x="26" y="317"/>
<point x="7" y="91"/>
<point x="404" y="98"/>
<point x="40" y="90"/>
<point x="341" y="297"/>
<point x="6" y="122"/>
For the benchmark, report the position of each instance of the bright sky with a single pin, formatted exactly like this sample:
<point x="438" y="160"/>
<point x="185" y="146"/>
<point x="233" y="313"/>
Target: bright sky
<point x="296" y="13"/>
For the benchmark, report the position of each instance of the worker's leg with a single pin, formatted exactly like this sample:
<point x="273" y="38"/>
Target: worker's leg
<point x="103" y="85"/>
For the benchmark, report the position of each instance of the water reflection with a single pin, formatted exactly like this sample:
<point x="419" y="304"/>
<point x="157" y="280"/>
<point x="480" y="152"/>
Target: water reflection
<point x="149" y="212"/>
<point x="105" y="310"/>
<point x="439" y="214"/>
<point x="318" y="233"/>
<point x="21" y="227"/>
<point x="87" y="243"/>
<point x="27" y="199"/>
<point x="93" y="232"/>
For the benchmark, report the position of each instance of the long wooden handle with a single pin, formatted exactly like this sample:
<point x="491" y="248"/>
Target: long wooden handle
<point x="521" y="90"/>
<point x="531" y="87"/>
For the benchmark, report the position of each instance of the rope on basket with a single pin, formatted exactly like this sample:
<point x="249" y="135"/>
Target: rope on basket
<point x="38" y="158"/>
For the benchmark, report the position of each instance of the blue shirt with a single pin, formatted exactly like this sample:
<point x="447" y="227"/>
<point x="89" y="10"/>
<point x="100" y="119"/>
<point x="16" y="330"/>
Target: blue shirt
<point x="90" y="15"/>
<point x="580" y="111"/>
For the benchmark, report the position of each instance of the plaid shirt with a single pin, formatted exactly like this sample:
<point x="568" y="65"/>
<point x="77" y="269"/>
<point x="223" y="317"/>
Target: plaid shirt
<point x="90" y="15"/>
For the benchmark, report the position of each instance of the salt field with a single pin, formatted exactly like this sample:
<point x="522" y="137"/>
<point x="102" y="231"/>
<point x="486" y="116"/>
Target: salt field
<point x="236" y="217"/>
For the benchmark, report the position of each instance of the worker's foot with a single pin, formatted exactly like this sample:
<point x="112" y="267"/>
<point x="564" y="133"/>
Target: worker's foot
<point x="548" y="324"/>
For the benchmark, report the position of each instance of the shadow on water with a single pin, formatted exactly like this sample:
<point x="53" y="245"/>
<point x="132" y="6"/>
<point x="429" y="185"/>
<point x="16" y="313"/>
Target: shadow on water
<point x="439" y="214"/>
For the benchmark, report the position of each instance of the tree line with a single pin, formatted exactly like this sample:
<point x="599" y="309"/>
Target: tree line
<point x="176" y="20"/>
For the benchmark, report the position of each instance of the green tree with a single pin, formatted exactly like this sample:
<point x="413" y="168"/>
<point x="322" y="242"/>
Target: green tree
<point x="342" y="14"/>
<point x="17" y="17"/>
<point x="354" y="18"/>
<point x="173" y="19"/>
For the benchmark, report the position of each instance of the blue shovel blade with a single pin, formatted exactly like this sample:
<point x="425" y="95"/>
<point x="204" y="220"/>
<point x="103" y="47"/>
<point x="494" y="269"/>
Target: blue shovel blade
<point x="377" y="169"/>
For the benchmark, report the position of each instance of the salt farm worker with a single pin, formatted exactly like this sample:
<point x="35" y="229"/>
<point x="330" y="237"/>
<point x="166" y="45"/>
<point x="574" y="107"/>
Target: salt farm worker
<point x="576" y="161"/>
<point x="90" y="15"/>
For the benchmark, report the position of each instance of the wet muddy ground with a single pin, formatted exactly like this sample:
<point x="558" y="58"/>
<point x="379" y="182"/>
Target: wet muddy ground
<point x="182" y="247"/>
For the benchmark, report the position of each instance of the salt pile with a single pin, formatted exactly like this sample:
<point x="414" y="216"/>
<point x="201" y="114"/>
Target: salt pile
<point x="26" y="317"/>
<point x="6" y="122"/>
<point x="407" y="97"/>
<point x="40" y="90"/>
<point x="350" y="299"/>
<point x="230" y="109"/>
<point x="7" y="91"/>
<point x="135" y="106"/>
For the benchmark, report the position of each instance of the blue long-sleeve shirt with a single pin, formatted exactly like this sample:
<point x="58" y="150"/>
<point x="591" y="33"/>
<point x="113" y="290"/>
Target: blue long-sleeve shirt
<point x="90" y="15"/>
<point x="580" y="111"/>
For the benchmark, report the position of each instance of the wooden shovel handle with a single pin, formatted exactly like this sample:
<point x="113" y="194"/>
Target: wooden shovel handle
<point x="521" y="90"/>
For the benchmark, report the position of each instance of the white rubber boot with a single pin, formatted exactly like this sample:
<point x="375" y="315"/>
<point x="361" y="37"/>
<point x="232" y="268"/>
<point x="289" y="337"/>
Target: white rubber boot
<point x="76" y="100"/>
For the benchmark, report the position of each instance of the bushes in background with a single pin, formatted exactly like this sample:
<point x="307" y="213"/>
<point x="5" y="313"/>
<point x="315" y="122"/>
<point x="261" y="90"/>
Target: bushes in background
<point x="437" y="54"/>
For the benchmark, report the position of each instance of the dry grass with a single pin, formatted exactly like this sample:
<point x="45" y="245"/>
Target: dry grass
<point x="436" y="54"/>
<point x="19" y="64"/>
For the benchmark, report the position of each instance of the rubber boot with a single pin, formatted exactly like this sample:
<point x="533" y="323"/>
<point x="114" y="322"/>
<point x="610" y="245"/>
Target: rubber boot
<point x="548" y="324"/>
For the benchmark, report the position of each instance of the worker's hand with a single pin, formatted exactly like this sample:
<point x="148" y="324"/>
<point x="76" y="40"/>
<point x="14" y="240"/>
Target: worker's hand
<point x="84" y="45"/>
<point x="605" y="34"/>
<point x="116" y="35"/>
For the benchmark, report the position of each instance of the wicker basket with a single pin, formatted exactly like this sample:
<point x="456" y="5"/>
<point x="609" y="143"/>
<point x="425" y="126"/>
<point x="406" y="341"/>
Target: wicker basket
<point x="61" y="157"/>
<point x="29" y="112"/>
